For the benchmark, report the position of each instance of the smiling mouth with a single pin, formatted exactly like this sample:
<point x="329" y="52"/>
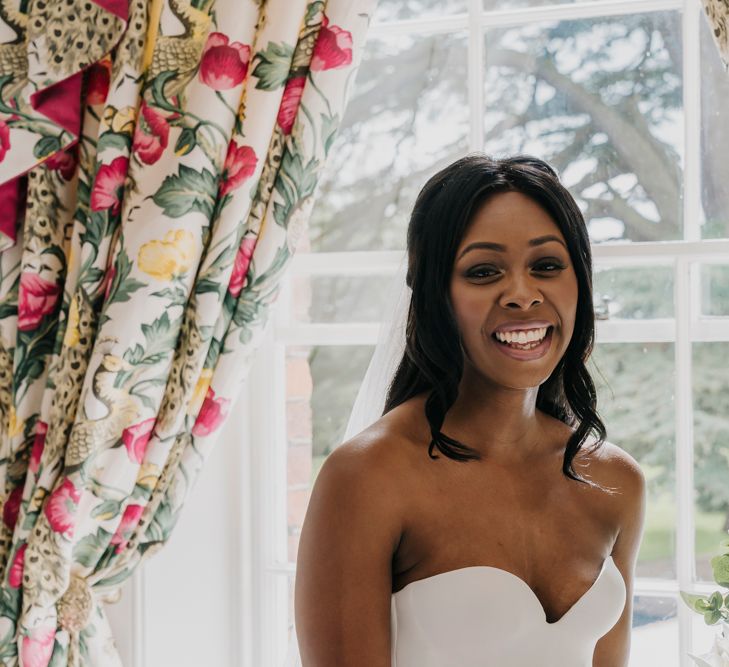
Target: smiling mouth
<point x="527" y="345"/>
<point x="526" y="351"/>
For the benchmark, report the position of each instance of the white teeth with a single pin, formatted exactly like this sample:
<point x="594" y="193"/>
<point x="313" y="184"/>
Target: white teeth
<point x="525" y="336"/>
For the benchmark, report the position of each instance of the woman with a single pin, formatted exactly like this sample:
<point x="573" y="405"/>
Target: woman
<point x="470" y="525"/>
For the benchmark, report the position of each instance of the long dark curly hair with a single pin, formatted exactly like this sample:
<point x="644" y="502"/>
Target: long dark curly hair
<point x="433" y="358"/>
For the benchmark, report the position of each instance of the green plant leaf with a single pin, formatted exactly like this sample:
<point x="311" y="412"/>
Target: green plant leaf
<point x="188" y="190"/>
<point x="273" y="66"/>
<point x="46" y="146"/>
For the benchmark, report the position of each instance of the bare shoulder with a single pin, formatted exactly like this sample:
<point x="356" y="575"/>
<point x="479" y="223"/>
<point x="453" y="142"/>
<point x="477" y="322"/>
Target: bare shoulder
<point x="611" y="465"/>
<point x="351" y="530"/>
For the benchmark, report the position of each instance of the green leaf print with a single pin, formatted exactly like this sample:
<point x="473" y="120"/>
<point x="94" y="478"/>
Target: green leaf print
<point x="118" y="140"/>
<point x="329" y="125"/>
<point x="273" y="66"/>
<point x="122" y="287"/>
<point x="89" y="549"/>
<point x="110" y="508"/>
<point x="46" y="146"/>
<point x="188" y="190"/>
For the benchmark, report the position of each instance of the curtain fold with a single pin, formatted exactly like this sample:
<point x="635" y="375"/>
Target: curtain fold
<point x="158" y="163"/>
<point x="717" y="11"/>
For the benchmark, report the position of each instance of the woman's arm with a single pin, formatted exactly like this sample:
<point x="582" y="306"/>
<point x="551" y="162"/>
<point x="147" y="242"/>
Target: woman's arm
<point x="613" y="649"/>
<point x="343" y="576"/>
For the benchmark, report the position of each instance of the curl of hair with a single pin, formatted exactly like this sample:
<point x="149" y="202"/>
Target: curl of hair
<point x="433" y="357"/>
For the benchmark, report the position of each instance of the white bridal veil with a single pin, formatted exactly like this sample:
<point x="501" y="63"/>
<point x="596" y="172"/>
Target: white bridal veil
<point x="370" y="401"/>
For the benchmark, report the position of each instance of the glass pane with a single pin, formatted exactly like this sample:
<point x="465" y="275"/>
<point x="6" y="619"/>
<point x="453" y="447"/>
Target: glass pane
<point x="394" y="10"/>
<point x="714" y="289"/>
<point x="642" y="423"/>
<point x="702" y="635"/>
<point x="339" y="298"/>
<point x="714" y="139"/>
<point x="321" y="385"/>
<point x="408" y="117"/>
<point x="634" y="293"/>
<point x="601" y="99"/>
<point x="490" y="5"/>
<point x="711" y="451"/>
<point x="654" y="640"/>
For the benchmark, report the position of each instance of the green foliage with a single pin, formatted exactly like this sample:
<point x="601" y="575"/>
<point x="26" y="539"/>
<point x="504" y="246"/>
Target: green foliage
<point x="188" y="190"/>
<point x="272" y="66"/>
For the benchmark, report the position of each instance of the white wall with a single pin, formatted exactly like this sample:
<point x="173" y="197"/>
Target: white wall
<point x="187" y="605"/>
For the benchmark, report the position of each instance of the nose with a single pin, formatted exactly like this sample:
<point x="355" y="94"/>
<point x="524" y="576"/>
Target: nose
<point x="521" y="292"/>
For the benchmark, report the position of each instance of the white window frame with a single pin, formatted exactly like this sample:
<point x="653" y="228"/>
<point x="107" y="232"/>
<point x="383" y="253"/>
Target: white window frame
<point x="269" y="603"/>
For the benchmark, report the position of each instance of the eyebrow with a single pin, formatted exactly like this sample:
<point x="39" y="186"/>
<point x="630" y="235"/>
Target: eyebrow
<point x="502" y="248"/>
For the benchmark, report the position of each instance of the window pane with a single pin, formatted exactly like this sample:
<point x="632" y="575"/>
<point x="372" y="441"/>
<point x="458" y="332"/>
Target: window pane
<point x="490" y="5"/>
<point x="634" y="293"/>
<point x="714" y="289"/>
<point x="601" y="99"/>
<point x="394" y="10"/>
<point x="711" y="451"/>
<point x="408" y="116"/>
<point x="642" y="423"/>
<point x="702" y="635"/>
<point x="654" y="640"/>
<point x="321" y="385"/>
<point x="339" y="298"/>
<point x="714" y="139"/>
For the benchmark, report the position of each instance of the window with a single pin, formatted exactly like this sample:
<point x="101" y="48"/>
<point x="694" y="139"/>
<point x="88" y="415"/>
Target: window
<point x="623" y="97"/>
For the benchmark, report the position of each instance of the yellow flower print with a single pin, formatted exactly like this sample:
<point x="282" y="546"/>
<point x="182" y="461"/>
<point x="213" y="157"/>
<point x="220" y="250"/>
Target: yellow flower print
<point x="201" y="389"/>
<point x="148" y="475"/>
<point x="119" y="120"/>
<point x="14" y="426"/>
<point x="170" y="257"/>
<point x="71" y="337"/>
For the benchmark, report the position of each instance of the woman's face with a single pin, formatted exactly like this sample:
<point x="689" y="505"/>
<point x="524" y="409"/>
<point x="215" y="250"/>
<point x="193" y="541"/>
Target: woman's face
<point x="530" y="286"/>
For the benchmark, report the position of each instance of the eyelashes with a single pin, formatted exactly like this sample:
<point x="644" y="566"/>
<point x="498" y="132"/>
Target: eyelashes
<point x="479" y="272"/>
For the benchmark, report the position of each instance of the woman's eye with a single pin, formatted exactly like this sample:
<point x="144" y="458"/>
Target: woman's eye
<point x="488" y="272"/>
<point x="557" y="266"/>
<point x="481" y="272"/>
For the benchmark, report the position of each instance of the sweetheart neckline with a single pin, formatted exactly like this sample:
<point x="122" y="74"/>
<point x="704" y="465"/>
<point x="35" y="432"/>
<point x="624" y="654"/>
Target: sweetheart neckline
<point x="522" y="582"/>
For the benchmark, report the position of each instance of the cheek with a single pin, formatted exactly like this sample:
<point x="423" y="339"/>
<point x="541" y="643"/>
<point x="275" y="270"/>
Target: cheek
<point x="468" y="310"/>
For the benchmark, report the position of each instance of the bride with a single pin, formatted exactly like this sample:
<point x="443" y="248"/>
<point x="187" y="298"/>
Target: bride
<point x="477" y="522"/>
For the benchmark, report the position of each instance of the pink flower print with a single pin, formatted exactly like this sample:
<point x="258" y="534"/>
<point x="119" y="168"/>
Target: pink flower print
<point x="130" y="519"/>
<point x="211" y="415"/>
<point x="36" y="299"/>
<point x="41" y="428"/>
<point x="136" y="438"/>
<point x="12" y="507"/>
<point x="109" y="185"/>
<point x="37" y="647"/>
<point x="63" y="162"/>
<point x="240" y="268"/>
<point x="97" y="81"/>
<point x="151" y="135"/>
<point x="15" y="576"/>
<point x="240" y="163"/>
<point x="333" y="47"/>
<point x="4" y="139"/>
<point x="61" y="507"/>
<point x="290" y="103"/>
<point x="223" y="65"/>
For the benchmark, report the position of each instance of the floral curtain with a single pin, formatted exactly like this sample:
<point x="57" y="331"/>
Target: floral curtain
<point x="717" y="12"/>
<point x="158" y="162"/>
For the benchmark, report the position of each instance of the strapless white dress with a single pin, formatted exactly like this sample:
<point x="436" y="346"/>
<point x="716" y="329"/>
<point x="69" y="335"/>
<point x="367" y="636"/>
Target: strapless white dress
<point x="483" y="616"/>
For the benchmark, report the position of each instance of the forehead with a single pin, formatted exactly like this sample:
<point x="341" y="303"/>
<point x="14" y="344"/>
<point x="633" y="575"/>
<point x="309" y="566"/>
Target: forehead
<point x="510" y="218"/>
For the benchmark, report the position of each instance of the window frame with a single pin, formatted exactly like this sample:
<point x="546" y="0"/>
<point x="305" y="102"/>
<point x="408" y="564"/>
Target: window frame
<point x="271" y="569"/>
